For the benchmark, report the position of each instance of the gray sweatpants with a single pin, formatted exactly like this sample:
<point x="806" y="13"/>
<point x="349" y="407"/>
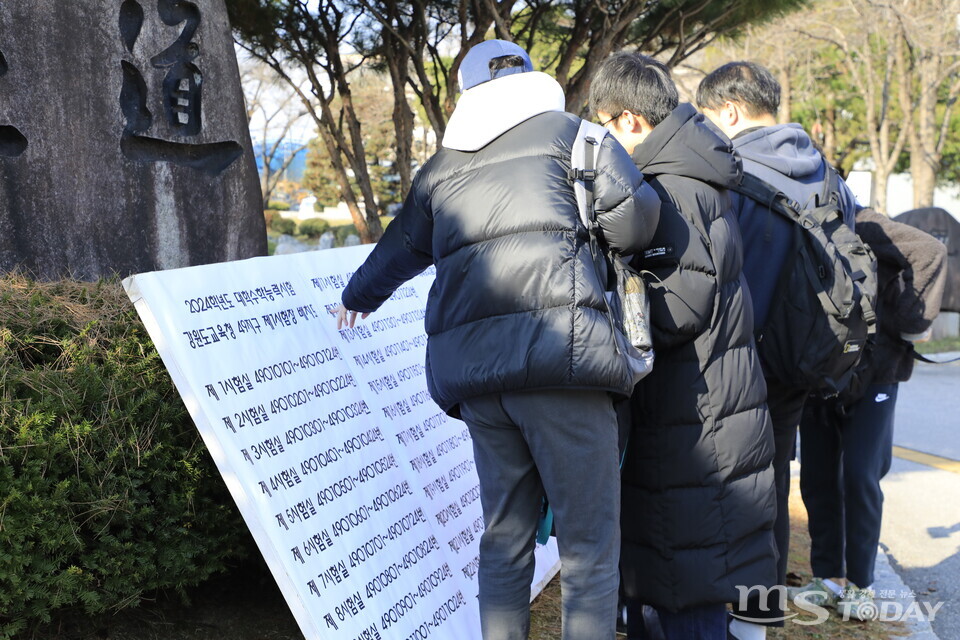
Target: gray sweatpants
<point x="562" y="443"/>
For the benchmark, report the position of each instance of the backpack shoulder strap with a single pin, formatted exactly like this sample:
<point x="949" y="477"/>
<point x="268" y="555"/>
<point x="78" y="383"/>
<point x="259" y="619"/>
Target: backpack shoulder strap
<point x="582" y="174"/>
<point x="769" y="196"/>
<point x="922" y="358"/>
<point x="831" y="185"/>
<point x="583" y="168"/>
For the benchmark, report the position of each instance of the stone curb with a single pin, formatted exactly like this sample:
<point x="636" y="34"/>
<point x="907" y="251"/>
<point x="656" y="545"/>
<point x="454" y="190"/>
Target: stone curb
<point x="886" y="579"/>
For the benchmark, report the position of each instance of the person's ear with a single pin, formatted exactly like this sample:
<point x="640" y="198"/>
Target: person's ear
<point x="635" y="123"/>
<point x="641" y="126"/>
<point x="730" y="113"/>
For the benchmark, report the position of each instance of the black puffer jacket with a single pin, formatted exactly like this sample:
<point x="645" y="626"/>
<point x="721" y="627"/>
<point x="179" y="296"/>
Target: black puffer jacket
<point x="698" y="492"/>
<point x="516" y="303"/>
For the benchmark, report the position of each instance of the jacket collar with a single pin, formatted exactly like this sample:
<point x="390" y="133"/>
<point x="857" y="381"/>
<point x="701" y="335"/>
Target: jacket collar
<point x="683" y="145"/>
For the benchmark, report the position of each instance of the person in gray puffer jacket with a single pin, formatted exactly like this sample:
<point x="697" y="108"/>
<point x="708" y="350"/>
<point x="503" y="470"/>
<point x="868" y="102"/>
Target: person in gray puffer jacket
<point x="698" y="493"/>
<point x="519" y="341"/>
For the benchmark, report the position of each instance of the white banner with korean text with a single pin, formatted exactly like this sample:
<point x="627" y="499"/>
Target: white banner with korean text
<point x="359" y="491"/>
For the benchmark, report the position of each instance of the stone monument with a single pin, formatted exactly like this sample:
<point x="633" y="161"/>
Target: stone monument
<point x="123" y="139"/>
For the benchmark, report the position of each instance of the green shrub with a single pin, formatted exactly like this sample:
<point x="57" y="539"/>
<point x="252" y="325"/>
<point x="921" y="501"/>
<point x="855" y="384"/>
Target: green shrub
<point x="313" y="227"/>
<point x="283" y="225"/>
<point x="342" y="232"/>
<point x="106" y="490"/>
<point x="278" y="205"/>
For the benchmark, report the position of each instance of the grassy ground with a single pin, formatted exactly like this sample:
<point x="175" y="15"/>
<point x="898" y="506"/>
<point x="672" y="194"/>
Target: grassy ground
<point x="545" y="612"/>
<point x="939" y="346"/>
<point x="244" y="605"/>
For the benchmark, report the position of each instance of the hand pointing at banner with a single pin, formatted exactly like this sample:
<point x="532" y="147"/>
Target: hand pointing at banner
<point x="347" y="317"/>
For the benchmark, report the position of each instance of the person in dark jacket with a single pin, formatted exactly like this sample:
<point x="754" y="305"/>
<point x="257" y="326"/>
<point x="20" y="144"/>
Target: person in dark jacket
<point x="846" y="442"/>
<point x="698" y="496"/>
<point x="519" y="341"/>
<point x="741" y="100"/>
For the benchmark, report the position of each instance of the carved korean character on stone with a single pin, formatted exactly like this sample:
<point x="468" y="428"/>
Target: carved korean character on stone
<point x="139" y="154"/>
<point x="12" y="142"/>
<point x="182" y="84"/>
<point x="181" y="90"/>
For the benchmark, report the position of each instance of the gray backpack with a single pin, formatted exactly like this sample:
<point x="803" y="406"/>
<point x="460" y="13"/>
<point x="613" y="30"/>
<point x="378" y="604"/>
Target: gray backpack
<point x="824" y="303"/>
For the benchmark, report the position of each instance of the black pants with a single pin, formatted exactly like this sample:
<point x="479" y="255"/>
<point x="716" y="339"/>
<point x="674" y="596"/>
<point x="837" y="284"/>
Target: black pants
<point x="843" y="456"/>
<point x="707" y="622"/>
<point x="786" y="407"/>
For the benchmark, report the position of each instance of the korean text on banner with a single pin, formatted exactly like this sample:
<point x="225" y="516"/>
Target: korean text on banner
<point x="359" y="491"/>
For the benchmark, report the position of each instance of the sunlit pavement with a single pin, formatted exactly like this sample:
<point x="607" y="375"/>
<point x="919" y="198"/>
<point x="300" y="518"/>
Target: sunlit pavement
<point x="921" y="520"/>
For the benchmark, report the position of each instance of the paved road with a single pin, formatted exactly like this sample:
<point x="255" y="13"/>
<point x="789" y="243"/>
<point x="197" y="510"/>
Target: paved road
<point x="928" y="410"/>
<point x="921" y="520"/>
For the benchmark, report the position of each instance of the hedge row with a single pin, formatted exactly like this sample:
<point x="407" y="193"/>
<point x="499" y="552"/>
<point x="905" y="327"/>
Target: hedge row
<point x="106" y="490"/>
<point x="311" y="227"/>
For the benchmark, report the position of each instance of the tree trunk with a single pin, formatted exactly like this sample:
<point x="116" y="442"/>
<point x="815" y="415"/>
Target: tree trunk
<point x="785" y="115"/>
<point x="924" y="156"/>
<point x="366" y="221"/>
<point x="403" y="123"/>
<point x="599" y="45"/>
<point x="830" y="131"/>
<point x="878" y="189"/>
<point x="398" y="58"/>
<point x="924" y="181"/>
<point x="265" y="186"/>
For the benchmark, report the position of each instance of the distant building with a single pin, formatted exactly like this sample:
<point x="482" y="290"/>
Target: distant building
<point x="308" y="209"/>
<point x="287" y="148"/>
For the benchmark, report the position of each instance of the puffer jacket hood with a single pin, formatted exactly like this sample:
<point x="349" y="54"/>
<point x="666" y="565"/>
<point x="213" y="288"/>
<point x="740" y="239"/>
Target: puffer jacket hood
<point x="911" y="273"/>
<point x="487" y="111"/>
<point x="683" y="145"/>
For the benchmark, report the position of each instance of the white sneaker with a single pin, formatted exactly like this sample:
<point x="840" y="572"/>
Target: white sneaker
<point x="816" y="592"/>
<point x="857" y="604"/>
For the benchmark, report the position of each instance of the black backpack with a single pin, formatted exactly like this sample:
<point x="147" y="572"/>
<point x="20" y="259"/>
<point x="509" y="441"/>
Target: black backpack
<point x="823" y="310"/>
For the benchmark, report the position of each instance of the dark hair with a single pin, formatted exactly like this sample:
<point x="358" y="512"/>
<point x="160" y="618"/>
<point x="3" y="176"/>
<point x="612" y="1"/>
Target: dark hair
<point x="746" y="83"/>
<point x="504" y="62"/>
<point x="636" y="83"/>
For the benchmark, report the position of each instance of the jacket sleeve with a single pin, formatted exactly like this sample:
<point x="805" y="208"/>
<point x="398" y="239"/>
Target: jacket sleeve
<point x="403" y="252"/>
<point x="627" y="206"/>
<point x="681" y="275"/>
<point x="921" y="261"/>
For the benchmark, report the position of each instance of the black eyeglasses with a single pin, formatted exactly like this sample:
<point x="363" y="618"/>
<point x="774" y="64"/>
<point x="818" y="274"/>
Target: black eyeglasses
<point x="603" y="124"/>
